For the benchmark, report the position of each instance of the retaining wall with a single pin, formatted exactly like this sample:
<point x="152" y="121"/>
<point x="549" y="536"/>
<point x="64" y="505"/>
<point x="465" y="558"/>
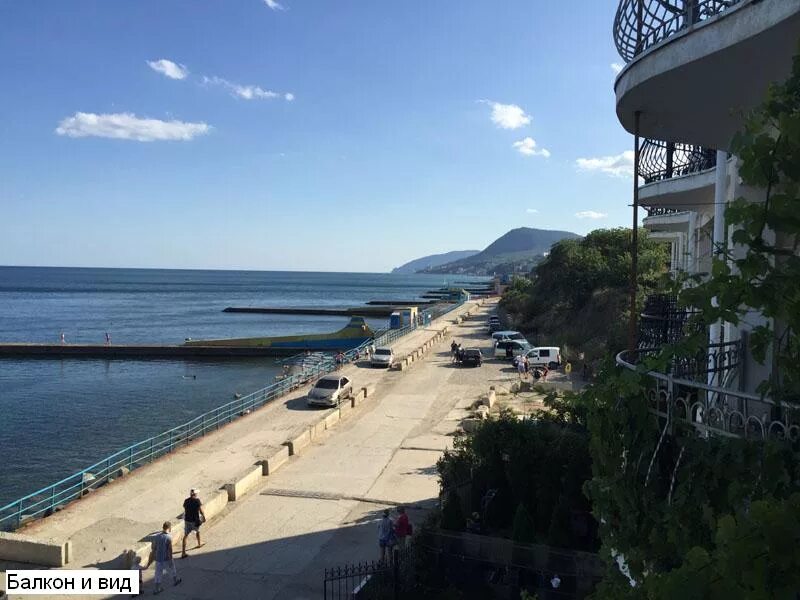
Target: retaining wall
<point x="245" y="483"/>
<point x="23" y="548"/>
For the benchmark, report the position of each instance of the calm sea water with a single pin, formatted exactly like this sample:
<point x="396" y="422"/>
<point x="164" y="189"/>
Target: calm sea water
<point x="58" y="416"/>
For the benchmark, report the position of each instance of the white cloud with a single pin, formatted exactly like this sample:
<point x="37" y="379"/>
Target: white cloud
<point x="169" y="68"/>
<point x="247" y="92"/>
<point x="127" y="126"/>
<point x="508" y="116"/>
<point x="620" y="165"/>
<point x="527" y="146"/>
<point x="532" y="211"/>
<point x="616" y="67"/>
<point x="274" y="4"/>
<point x="590" y="214"/>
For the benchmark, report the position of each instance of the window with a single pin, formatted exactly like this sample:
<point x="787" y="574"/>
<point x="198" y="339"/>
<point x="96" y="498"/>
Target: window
<point x="327" y="384"/>
<point x="544" y="353"/>
<point x="383" y="352"/>
<point x="345" y="381"/>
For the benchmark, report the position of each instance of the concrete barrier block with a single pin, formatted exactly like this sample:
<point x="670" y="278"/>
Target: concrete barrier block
<point x="245" y="483"/>
<point x="369" y="390"/>
<point x="143" y="551"/>
<point x="23" y="548"/>
<point x="332" y="419"/>
<point x="297" y="444"/>
<point x="347" y="407"/>
<point x="275" y="462"/>
<point x="317" y="429"/>
<point x="358" y="397"/>
<point x="214" y="505"/>
<point x="402" y="365"/>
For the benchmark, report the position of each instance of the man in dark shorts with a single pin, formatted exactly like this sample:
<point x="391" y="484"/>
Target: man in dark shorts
<point x="192" y="513"/>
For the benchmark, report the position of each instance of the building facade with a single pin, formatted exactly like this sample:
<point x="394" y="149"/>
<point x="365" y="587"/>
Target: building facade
<point x="694" y="69"/>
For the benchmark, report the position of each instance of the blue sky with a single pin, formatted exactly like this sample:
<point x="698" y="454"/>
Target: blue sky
<point x="313" y="135"/>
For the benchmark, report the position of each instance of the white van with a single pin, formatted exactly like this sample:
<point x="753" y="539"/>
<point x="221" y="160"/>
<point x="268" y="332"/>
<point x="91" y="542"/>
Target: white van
<point x="545" y="355"/>
<point x="518" y="347"/>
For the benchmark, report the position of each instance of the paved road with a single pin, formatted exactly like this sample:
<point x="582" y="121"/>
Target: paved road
<point x="322" y="509"/>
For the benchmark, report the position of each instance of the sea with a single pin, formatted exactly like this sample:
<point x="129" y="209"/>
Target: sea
<point x="58" y="416"/>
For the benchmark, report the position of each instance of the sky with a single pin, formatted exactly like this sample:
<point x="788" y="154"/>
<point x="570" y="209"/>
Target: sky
<point x="331" y="135"/>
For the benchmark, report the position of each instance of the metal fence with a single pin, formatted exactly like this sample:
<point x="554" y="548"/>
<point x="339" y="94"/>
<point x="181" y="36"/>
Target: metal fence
<point x="370" y="580"/>
<point x="47" y="500"/>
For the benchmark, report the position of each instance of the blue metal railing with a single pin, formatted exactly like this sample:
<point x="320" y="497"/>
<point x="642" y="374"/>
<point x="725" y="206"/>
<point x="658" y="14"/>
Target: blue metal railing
<point x="47" y="500"/>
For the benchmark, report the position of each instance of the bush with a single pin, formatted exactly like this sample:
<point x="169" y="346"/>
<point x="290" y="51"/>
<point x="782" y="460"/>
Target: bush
<point x="452" y="515"/>
<point x="524" y="530"/>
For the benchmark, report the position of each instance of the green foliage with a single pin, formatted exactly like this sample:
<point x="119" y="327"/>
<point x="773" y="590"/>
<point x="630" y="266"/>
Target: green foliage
<point x="530" y="465"/>
<point x="718" y="517"/>
<point x="523" y="530"/>
<point x="560" y="522"/>
<point x="578" y="297"/>
<point x="452" y="515"/>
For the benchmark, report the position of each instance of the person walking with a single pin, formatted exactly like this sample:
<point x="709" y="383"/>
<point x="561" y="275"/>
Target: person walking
<point x="63" y="338"/>
<point x="521" y="368"/>
<point x="371" y="351"/>
<point x="162" y="547"/>
<point x="193" y="517"/>
<point x="527" y="364"/>
<point x="402" y="527"/>
<point x="386" y="535"/>
<point x="453" y="350"/>
<point x="108" y="339"/>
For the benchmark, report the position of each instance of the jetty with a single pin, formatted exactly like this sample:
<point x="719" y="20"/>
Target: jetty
<point x="361" y="311"/>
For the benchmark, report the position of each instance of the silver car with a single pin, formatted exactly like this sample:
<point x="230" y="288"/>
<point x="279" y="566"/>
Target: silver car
<point x="382" y="357"/>
<point x="330" y="391"/>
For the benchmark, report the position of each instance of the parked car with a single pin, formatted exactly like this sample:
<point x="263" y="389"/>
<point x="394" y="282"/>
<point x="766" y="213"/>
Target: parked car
<point x="382" y="357"/>
<point x="494" y="326"/>
<point x="545" y="355"/>
<point x="330" y="391"/>
<point x="517" y="347"/>
<point x="471" y="356"/>
<point x="508" y="335"/>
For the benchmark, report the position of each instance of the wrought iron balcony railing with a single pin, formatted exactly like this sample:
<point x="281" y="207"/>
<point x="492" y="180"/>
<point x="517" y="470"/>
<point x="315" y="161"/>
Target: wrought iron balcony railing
<point x="715" y="409"/>
<point x="656" y="211"/>
<point x="640" y="24"/>
<point x="664" y="160"/>
<point x="663" y="323"/>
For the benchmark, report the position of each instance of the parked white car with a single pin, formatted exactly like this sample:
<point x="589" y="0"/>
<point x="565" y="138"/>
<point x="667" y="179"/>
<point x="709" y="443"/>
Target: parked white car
<point x="330" y="390"/>
<point x="518" y="347"/>
<point x="549" y="356"/>
<point x="382" y="357"/>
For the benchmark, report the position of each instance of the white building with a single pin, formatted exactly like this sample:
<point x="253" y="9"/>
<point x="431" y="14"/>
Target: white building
<point x="693" y="70"/>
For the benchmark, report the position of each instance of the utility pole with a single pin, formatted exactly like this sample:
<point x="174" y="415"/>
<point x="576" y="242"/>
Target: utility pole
<point x="635" y="236"/>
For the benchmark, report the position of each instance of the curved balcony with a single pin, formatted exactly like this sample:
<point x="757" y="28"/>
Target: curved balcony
<point x="640" y="24"/>
<point x="695" y="67"/>
<point x="714" y="409"/>
<point x="677" y="177"/>
<point x="664" y="160"/>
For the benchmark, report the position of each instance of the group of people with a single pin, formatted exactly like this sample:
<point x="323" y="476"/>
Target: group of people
<point x="193" y="518"/>
<point x="456" y="351"/>
<point x="525" y="370"/>
<point x="393" y="534"/>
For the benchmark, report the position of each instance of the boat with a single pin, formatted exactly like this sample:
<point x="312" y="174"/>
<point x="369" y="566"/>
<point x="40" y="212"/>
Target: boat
<point x="355" y="333"/>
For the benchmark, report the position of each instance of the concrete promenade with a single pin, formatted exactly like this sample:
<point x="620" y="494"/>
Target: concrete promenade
<point x="320" y="508"/>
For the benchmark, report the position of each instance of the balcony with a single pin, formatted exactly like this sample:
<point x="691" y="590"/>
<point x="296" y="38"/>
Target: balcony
<point x="677" y="177"/>
<point x="712" y="409"/>
<point x="695" y="67"/>
<point x="701" y="390"/>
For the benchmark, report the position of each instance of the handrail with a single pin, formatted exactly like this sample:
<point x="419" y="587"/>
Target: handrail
<point x="641" y="24"/>
<point x="47" y="500"/>
<point x="714" y="409"/>
<point x="664" y="160"/>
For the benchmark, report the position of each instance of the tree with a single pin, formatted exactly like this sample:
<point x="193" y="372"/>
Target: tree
<point x="523" y="530"/>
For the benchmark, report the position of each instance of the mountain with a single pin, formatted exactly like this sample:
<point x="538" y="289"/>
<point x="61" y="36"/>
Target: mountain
<point x="434" y="260"/>
<point x="518" y="250"/>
